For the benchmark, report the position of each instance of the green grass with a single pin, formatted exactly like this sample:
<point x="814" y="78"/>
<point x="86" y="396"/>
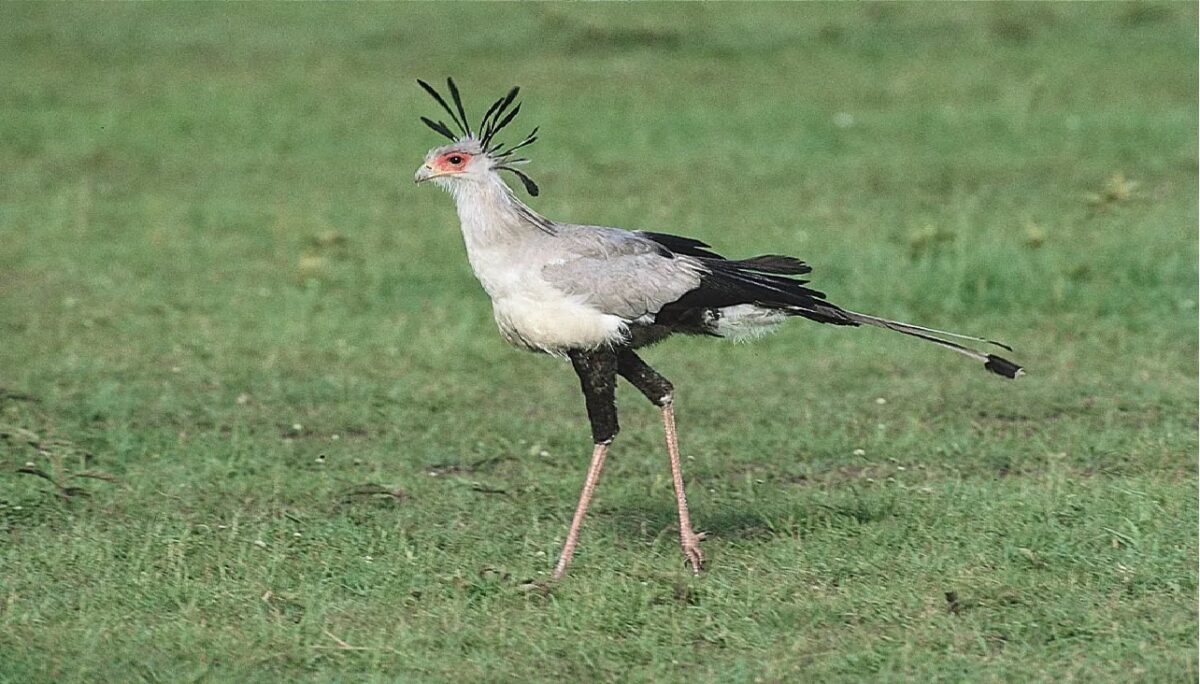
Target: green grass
<point x="221" y="293"/>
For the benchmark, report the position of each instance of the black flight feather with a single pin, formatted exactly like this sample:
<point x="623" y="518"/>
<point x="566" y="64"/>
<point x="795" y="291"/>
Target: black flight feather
<point x="682" y="245"/>
<point x="727" y="284"/>
<point x="775" y="263"/>
<point x="767" y="263"/>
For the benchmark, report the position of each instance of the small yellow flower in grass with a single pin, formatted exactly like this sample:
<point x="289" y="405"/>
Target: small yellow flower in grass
<point x="311" y="266"/>
<point x="1035" y="235"/>
<point x="1117" y="188"/>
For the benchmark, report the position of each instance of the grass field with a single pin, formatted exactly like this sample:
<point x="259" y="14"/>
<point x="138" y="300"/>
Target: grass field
<point x="256" y="423"/>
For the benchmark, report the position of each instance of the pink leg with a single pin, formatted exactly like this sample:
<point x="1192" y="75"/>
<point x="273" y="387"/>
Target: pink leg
<point x="687" y="538"/>
<point x="589" y="488"/>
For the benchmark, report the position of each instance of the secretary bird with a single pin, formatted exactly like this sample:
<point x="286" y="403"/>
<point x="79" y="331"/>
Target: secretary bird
<point x="594" y="294"/>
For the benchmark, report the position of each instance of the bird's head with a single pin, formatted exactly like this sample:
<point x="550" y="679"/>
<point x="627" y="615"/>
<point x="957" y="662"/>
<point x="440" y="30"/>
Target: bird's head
<point x="473" y="156"/>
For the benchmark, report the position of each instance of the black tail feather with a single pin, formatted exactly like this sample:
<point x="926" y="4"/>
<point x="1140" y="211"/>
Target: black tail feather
<point x="728" y="284"/>
<point x="1002" y="366"/>
<point x="996" y="364"/>
<point x="763" y="281"/>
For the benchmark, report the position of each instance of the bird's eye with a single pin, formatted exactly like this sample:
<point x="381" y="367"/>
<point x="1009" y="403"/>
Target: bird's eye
<point x="456" y="160"/>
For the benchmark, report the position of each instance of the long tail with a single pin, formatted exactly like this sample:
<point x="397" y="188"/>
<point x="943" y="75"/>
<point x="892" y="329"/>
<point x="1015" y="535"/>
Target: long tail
<point x="996" y="364"/>
<point x="748" y="297"/>
<point x="765" y="288"/>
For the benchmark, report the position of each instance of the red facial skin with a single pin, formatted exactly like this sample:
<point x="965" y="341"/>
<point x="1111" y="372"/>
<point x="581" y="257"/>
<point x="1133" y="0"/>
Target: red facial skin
<point x="447" y="162"/>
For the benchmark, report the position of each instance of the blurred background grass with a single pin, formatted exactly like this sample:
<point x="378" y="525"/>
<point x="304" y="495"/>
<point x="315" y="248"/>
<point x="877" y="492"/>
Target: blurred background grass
<point x="220" y="291"/>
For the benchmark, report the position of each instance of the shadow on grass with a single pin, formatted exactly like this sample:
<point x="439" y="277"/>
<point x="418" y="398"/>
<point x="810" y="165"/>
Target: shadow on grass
<point x="651" y="520"/>
<point x="736" y="520"/>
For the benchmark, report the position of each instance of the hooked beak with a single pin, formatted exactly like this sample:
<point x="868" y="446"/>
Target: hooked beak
<point x="427" y="173"/>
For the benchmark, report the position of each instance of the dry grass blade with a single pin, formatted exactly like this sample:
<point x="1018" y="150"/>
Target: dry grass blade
<point x="97" y="475"/>
<point x="38" y="472"/>
<point x="372" y="491"/>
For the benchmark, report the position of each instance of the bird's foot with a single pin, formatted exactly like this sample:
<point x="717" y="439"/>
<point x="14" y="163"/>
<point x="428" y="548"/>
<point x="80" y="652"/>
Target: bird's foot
<point x="690" y="541"/>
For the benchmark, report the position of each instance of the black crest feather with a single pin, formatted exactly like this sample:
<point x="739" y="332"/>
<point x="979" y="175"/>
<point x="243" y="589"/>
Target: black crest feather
<point x="434" y="94"/>
<point x="488" y="125"/>
<point x="462" y="113"/>
<point x="505" y="121"/>
<point x="494" y="120"/>
<point x="483" y="123"/>
<point x="440" y="128"/>
<point x="530" y="186"/>
<point x="529" y="140"/>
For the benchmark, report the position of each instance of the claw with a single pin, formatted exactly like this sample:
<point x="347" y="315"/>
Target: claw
<point x="691" y="550"/>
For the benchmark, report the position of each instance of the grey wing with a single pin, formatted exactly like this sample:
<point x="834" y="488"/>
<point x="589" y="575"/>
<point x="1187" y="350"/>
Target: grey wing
<point x="619" y="272"/>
